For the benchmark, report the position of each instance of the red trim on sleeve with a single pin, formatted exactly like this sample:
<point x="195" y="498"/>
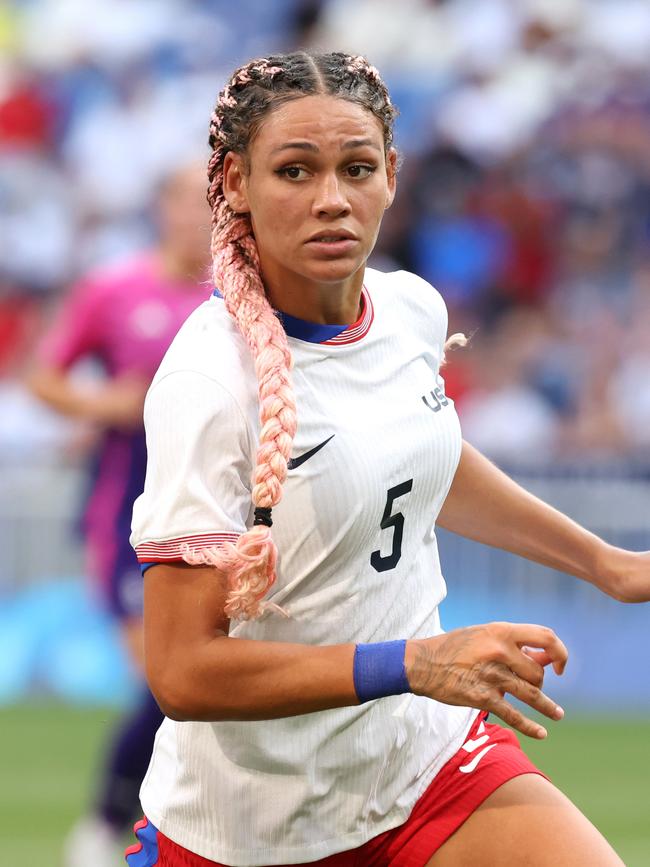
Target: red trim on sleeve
<point x="170" y="549"/>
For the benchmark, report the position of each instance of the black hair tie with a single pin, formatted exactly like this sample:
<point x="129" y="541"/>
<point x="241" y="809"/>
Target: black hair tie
<point x="263" y="516"/>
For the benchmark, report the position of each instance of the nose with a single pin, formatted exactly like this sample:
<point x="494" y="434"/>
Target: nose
<point x="330" y="199"/>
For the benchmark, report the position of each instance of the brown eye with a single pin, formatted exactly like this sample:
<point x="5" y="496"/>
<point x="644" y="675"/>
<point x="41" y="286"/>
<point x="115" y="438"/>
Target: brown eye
<point x="294" y="173"/>
<point x="360" y="171"/>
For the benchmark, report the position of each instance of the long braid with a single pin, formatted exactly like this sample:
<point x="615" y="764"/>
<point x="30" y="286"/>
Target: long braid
<point x="250" y="563"/>
<point x="236" y="270"/>
<point x="251" y="93"/>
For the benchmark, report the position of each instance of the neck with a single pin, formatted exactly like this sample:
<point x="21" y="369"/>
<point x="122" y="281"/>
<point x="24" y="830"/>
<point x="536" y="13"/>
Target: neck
<point x="335" y="303"/>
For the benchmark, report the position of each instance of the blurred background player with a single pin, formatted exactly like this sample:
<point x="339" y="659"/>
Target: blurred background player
<point x="123" y="316"/>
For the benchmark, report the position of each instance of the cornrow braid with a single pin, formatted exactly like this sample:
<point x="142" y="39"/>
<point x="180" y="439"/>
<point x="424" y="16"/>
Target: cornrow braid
<point x="253" y="91"/>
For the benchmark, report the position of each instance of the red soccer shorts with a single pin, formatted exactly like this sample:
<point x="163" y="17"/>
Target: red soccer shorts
<point x="490" y="756"/>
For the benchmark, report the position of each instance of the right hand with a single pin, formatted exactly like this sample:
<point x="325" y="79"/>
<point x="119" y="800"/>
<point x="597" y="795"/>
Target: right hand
<point x="475" y="666"/>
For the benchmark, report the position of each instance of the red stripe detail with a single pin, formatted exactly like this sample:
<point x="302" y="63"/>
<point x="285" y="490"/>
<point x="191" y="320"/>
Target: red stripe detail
<point x="360" y="325"/>
<point x="199" y="537"/>
<point x="358" y="329"/>
<point x="170" y="549"/>
<point x="136" y="847"/>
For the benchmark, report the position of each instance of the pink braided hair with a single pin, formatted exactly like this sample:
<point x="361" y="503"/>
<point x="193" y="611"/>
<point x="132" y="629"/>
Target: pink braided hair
<point x="250" y="563"/>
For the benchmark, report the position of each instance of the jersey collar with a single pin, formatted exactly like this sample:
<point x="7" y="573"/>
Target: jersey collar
<point x="328" y="335"/>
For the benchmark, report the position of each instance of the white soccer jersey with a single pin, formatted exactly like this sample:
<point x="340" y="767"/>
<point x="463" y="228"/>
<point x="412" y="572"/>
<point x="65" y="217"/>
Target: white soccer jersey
<point x="376" y="449"/>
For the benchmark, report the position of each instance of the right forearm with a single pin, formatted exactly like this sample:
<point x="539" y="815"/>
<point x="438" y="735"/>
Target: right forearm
<point x="198" y="672"/>
<point x="238" y="679"/>
<point x="114" y="403"/>
<point x="55" y="389"/>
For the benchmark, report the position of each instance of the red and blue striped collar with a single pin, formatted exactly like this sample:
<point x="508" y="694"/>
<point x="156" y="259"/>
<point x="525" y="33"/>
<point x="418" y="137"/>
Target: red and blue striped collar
<point x="328" y="335"/>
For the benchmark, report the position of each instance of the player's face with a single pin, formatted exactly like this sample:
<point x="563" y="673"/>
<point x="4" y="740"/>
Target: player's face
<point x="316" y="183"/>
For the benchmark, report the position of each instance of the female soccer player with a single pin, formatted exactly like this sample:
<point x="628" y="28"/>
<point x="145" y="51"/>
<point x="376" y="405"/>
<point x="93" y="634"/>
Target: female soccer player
<point x="316" y="711"/>
<point x="125" y="317"/>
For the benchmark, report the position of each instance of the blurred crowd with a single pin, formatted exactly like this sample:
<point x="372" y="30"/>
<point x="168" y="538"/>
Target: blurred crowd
<point x="524" y="191"/>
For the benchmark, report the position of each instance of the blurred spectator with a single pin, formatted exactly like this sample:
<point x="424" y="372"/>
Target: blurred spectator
<point x="525" y="132"/>
<point x="26" y="117"/>
<point x="629" y="389"/>
<point x="29" y="431"/>
<point x="505" y="415"/>
<point x="37" y="221"/>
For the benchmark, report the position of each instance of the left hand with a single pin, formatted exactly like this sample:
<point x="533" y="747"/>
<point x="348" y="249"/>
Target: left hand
<point x="625" y="575"/>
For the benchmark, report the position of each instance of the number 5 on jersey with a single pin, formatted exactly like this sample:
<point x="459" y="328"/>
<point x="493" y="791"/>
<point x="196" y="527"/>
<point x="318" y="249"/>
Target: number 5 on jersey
<point x="396" y="521"/>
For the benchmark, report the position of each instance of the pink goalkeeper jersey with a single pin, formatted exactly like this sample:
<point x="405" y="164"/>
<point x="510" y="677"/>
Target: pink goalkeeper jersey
<point x="125" y="317"/>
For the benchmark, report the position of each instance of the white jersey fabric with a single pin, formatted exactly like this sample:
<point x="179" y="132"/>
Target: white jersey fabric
<point x="358" y="562"/>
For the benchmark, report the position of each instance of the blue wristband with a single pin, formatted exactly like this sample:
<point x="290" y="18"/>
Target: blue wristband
<point x="379" y="670"/>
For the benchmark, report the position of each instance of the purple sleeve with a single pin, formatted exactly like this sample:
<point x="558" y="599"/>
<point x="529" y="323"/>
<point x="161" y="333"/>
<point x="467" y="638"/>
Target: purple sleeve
<point x="76" y="328"/>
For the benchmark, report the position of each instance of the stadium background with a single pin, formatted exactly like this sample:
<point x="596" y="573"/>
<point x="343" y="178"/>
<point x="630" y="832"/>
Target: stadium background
<point x="524" y="196"/>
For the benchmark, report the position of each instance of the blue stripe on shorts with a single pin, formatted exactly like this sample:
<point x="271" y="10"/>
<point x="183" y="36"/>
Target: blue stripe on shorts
<point x="147" y="854"/>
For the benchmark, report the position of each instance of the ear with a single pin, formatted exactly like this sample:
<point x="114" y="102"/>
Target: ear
<point x="391" y="172"/>
<point x="234" y="183"/>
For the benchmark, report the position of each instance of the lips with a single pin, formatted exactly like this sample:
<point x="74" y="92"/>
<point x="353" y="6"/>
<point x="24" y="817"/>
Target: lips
<point x="332" y="236"/>
<point x="332" y="246"/>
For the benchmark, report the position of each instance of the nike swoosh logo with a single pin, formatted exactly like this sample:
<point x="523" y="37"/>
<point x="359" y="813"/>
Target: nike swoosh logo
<point x="469" y="746"/>
<point x="293" y="463"/>
<point x="467" y="769"/>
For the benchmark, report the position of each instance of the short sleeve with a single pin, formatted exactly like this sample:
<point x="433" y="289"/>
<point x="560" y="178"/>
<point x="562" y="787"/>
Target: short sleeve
<point x="76" y="329"/>
<point x="197" y="488"/>
<point x="425" y="314"/>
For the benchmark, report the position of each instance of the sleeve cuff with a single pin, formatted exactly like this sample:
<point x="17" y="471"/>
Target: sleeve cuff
<point x="170" y="550"/>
